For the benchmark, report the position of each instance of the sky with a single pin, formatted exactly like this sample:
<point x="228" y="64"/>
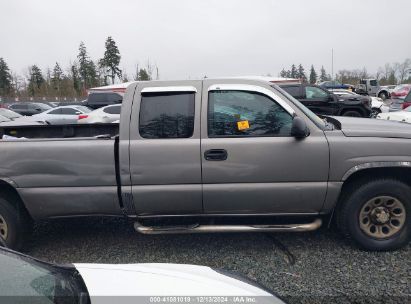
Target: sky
<point x="190" y="39"/>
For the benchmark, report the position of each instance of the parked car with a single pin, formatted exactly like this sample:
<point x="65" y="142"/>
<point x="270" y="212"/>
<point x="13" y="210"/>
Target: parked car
<point x="29" y="108"/>
<point x="333" y="84"/>
<point x="401" y="91"/>
<point x="323" y="102"/>
<point x="214" y="155"/>
<point x="372" y="87"/>
<point x="106" y="114"/>
<point x="28" y="280"/>
<point x="402" y="116"/>
<point x="9" y="114"/>
<point x="5" y="121"/>
<point x="407" y="101"/>
<point x="377" y="104"/>
<point x="62" y="115"/>
<point x="102" y="99"/>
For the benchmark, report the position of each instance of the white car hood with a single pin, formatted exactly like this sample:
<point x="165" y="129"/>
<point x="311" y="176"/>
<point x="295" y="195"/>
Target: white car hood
<point x="162" y="280"/>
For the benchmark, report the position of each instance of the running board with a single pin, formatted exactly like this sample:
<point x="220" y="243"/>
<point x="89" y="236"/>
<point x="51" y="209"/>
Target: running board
<point x="227" y="228"/>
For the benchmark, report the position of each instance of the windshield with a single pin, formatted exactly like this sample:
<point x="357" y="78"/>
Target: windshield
<point x="22" y="276"/>
<point x="3" y="118"/>
<point x="43" y="106"/>
<point x="9" y="114"/>
<point x="313" y="117"/>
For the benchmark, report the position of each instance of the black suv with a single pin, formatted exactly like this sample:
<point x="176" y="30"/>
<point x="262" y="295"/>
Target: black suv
<point x="98" y="100"/>
<point x="323" y="102"/>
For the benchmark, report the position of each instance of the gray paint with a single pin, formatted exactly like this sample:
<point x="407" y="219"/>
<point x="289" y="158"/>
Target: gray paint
<point x="262" y="175"/>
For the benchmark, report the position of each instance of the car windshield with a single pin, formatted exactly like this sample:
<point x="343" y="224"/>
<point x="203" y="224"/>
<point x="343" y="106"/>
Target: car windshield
<point x="36" y="281"/>
<point x="4" y="119"/>
<point x="314" y="118"/>
<point x="9" y="114"/>
<point x="43" y="106"/>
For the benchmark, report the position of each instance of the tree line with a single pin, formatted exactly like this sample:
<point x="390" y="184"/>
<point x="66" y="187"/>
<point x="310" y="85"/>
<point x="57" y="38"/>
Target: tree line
<point x="74" y="80"/>
<point x="390" y="74"/>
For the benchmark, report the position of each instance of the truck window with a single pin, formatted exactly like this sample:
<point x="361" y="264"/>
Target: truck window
<point x="243" y="113"/>
<point x="294" y="91"/>
<point x="314" y="92"/>
<point x="167" y="115"/>
<point x="373" y="83"/>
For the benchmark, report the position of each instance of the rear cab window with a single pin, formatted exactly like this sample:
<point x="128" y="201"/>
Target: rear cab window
<point x="167" y="115"/>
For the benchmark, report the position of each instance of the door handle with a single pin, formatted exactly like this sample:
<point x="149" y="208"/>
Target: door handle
<point x="215" y="154"/>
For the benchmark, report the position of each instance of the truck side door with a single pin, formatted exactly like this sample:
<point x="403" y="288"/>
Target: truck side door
<point x="250" y="162"/>
<point x="165" y="164"/>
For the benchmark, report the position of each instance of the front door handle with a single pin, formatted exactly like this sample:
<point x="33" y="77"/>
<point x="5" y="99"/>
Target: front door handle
<point x="215" y="154"/>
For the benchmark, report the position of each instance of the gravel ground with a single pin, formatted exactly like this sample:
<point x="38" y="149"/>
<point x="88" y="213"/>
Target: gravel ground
<point x="317" y="267"/>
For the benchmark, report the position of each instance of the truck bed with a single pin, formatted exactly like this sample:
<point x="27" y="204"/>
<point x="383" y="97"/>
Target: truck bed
<point x="61" y="131"/>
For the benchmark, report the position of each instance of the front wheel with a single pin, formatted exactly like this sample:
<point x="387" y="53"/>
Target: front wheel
<point x="13" y="225"/>
<point x="383" y="95"/>
<point x="377" y="214"/>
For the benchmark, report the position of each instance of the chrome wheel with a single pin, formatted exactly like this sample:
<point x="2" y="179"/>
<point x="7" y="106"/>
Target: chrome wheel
<point x="382" y="217"/>
<point x="3" y="228"/>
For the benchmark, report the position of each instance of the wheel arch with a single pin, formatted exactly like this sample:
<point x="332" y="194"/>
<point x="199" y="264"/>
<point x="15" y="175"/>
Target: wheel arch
<point x="8" y="190"/>
<point x="371" y="171"/>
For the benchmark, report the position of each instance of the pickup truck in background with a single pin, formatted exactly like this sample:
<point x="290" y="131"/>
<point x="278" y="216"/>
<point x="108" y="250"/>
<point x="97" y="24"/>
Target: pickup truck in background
<point x="213" y="155"/>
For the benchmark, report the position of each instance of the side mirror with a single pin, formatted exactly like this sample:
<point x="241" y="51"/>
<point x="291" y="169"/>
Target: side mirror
<point x="299" y="128"/>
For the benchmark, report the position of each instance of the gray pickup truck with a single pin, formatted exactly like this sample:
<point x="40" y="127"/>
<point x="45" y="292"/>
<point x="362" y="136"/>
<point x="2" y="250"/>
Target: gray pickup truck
<point x="222" y="155"/>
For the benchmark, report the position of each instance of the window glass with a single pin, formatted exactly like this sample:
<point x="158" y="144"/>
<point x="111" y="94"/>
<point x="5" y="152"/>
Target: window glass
<point x="69" y="111"/>
<point x="41" y="106"/>
<point x="294" y="91"/>
<point x="83" y="109"/>
<point x="241" y="113"/>
<point x="167" y="115"/>
<point x="19" y="106"/>
<point x="314" y="92"/>
<point x="112" y="110"/>
<point x="114" y="98"/>
<point x="373" y="83"/>
<point x="55" y="112"/>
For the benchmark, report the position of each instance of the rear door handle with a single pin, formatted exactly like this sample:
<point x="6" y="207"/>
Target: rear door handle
<point x="215" y="154"/>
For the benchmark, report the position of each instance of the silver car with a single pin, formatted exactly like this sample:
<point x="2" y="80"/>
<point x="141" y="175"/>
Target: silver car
<point x="61" y="115"/>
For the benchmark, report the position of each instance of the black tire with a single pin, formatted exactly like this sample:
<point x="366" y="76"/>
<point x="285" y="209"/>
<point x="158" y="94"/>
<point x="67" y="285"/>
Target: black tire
<point x="383" y="95"/>
<point x="375" y="112"/>
<point x="15" y="225"/>
<point x="352" y="113"/>
<point x="352" y="202"/>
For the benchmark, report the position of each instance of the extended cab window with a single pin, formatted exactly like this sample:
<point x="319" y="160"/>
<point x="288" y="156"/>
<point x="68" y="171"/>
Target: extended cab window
<point x="167" y="115"/>
<point x="294" y="91"/>
<point x="243" y="113"/>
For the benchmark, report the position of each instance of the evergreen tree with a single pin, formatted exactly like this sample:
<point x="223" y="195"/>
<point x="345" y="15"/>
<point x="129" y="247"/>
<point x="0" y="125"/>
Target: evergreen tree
<point x="92" y="75"/>
<point x="301" y="73"/>
<point x="5" y="78"/>
<point x="36" y="79"/>
<point x="283" y="73"/>
<point x="143" y="75"/>
<point x="84" y="65"/>
<point x="293" y="73"/>
<point x="323" y="75"/>
<point x="75" y="75"/>
<point x="313" y="75"/>
<point x="57" y="77"/>
<point x="111" y="59"/>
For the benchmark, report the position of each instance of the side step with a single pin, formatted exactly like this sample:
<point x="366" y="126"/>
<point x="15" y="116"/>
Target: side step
<point x="227" y="228"/>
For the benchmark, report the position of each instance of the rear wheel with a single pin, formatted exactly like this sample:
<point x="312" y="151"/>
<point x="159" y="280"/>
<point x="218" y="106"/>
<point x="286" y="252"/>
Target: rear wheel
<point x="377" y="214"/>
<point x="383" y="95"/>
<point x="352" y="113"/>
<point x="14" y="225"/>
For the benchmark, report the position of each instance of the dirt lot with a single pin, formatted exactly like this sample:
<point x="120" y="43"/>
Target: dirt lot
<point x="317" y="267"/>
